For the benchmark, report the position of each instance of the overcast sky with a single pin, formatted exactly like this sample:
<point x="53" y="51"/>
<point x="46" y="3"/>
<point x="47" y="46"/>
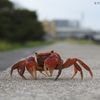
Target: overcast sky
<point x="86" y="11"/>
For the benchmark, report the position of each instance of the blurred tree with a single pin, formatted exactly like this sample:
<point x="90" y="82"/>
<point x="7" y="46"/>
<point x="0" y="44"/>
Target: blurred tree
<point x="5" y="8"/>
<point x="5" y="5"/>
<point x="18" y="25"/>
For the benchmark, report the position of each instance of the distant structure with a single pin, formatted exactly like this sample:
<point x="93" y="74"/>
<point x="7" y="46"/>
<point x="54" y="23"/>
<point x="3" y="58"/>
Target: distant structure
<point x="82" y="19"/>
<point x="49" y="27"/>
<point x="65" y="28"/>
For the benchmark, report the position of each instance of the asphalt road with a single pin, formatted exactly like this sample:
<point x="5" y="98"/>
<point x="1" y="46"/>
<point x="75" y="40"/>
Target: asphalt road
<point x="45" y="88"/>
<point x="7" y="59"/>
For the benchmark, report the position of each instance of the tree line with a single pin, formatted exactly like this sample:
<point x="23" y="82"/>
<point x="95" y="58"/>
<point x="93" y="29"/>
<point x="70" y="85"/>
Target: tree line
<point x="19" y="25"/>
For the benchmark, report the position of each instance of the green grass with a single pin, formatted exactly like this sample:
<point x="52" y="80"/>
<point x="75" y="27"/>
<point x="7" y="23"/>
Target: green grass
<point x="82" y="41"/>
<point x="5" y="46"/>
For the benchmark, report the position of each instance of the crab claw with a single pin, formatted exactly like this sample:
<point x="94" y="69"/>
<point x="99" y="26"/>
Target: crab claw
<point x="50" y="64"/>
<point x="31" y="66"/>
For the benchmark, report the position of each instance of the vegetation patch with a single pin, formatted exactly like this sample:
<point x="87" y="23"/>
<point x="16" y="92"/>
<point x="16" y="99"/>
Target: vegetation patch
<point x="83" y="41"/>
<point x="5" y="46"/>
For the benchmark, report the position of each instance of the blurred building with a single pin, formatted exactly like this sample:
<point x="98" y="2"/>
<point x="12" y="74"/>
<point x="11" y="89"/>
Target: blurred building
<point x="65" y="29"/>
<point x="49" y="27"/>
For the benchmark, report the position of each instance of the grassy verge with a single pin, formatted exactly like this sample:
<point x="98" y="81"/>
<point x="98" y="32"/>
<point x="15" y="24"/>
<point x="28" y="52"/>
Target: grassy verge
<point x="5" y="46"/>
<point x="82" y="41"/>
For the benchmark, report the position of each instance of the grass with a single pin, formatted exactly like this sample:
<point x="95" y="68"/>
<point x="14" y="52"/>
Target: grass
<point x="5" y="46"/>
<point x="83" y="41"/>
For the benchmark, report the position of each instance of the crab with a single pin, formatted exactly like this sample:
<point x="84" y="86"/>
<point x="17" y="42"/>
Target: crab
<point x="48" y="62"/>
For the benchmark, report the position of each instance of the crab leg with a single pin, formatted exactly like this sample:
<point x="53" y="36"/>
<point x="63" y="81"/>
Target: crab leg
<point x="20" y="73"/>
<point x="72" y="61"/>
<point x="22" y="70"/>
<point x="76" y="68"/>
<point x="20" y="66"/>
<point x="13" y="68"/>
<point x="75" y="72"/>
<point x="45" y="69"/>
<point x="86" y="67"/>
<point x="43" y="73"/>
<point x="35" y="74"/>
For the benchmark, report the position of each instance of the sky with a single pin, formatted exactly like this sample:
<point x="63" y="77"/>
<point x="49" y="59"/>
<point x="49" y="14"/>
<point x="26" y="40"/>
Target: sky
<point x="85" y="11"/>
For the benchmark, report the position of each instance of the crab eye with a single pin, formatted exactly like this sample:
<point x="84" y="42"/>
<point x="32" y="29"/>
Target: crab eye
<point x="52" y="51"/>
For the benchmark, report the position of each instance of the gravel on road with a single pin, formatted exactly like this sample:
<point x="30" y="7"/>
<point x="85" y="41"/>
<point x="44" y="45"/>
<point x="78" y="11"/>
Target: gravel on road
<point x="45" y="88"/>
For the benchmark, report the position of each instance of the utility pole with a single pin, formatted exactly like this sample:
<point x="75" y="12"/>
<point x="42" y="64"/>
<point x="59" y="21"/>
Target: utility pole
<point x="82" y="19"/>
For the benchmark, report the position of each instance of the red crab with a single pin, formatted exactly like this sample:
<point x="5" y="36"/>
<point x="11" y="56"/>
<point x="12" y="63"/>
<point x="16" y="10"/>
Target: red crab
<point x="48" y="61"/>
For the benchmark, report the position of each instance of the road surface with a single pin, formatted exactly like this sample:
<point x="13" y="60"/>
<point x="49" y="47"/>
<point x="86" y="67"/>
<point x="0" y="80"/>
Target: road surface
<point x="9" y="58"/>
<point x="45" y="88"/>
